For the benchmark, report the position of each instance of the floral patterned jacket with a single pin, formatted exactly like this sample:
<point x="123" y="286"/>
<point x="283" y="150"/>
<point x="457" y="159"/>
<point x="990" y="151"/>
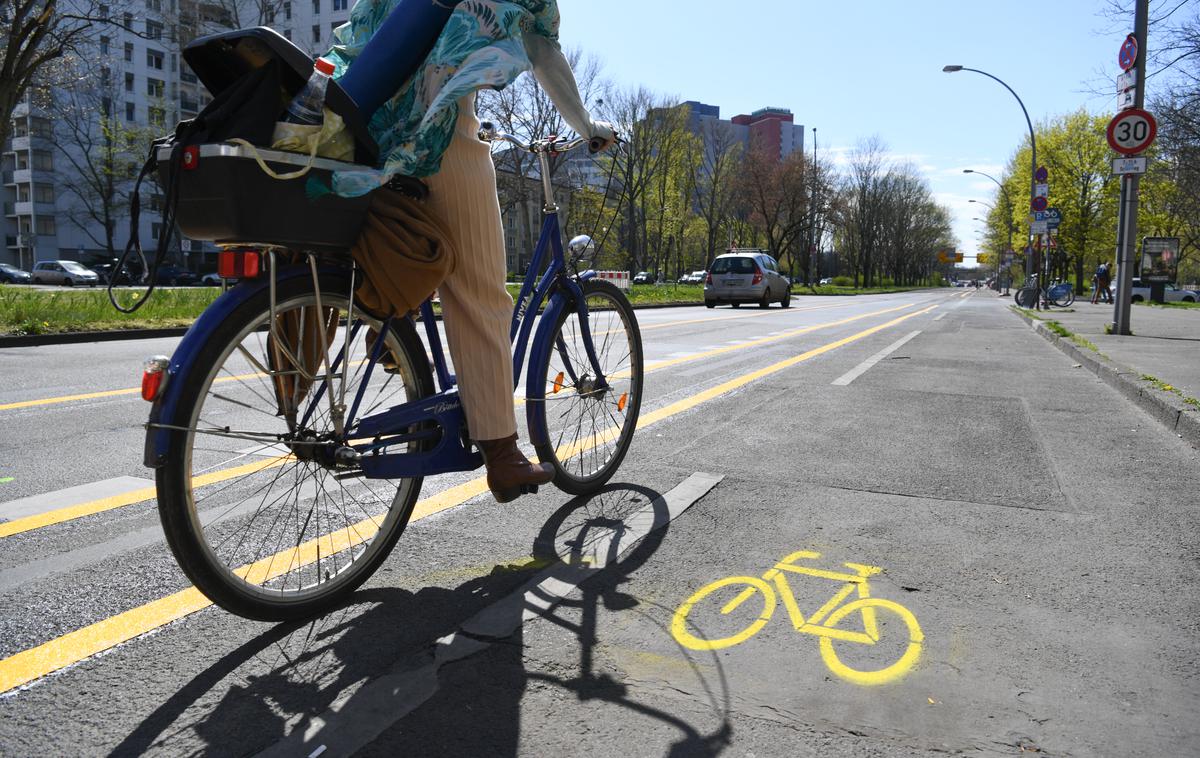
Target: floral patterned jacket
<point x="480" y="46"/>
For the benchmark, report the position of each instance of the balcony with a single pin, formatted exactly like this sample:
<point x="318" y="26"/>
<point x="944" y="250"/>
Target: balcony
<point x="20" y="144"/>
<point x="21" y="176"/>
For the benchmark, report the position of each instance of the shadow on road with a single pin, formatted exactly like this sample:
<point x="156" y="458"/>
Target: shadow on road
<point x="276" y="684"/>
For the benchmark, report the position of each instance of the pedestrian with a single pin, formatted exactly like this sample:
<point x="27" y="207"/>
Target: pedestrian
<point x="1095" y="287"/>
<point x="430" y="130"/>
<point x="1103" y="280"/>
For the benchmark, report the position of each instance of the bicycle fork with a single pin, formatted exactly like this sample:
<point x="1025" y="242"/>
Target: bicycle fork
<point x="812" y="625"/>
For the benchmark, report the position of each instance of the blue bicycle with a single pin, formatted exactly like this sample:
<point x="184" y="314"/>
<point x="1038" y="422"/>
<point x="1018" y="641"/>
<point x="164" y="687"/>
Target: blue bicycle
<point x="291" y="430"/>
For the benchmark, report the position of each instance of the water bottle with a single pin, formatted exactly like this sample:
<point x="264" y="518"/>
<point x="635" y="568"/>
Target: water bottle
<point x="308" y="106"/>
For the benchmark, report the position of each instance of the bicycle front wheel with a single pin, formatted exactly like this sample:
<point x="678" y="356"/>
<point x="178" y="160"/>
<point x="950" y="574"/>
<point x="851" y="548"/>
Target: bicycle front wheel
<point x="1027" y="297"/>
<point x="261" y="514"/>
<point x="590" y="424"/>
<point x="1064" y="297"/>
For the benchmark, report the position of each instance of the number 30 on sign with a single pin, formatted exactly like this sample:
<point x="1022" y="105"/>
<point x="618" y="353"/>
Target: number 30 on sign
<point x="1132" y="131"/>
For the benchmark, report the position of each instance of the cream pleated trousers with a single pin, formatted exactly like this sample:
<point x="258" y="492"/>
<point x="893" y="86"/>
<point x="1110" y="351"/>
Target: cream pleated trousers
<point x="476" y="308"/>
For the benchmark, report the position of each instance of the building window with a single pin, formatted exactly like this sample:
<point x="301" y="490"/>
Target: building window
<point x="103" y="12"/>
<point x="287" y="34"/>
<point x="154" y="59"/>
<point x="106" y="106"/>
<point x="104" y="45"/>
<point x="154" y="29"/>
<point x="40" y="127"/>
<point x="287" y="11"/>
<point x="43" y="160"/>
<point x="154" y="87"/>
<point x="316" y="7"/>
<point x="127" y="21"/>
<point x="43" y="193"/>
<point x="340" y="5"/>
<point x="45" y="225"/>
<point x="333" y="27"/>
<point x="156" y="116"/>
<point x="129" y="52"/>
<point x="20" y="128"/>
<point x="154" y="5"/>
<point x="128" y="82"/>
<point x="155" y="230"/>
<point x="22" y="160"/>
<point x="105" y="75"/>
<point x="129" y="113"/>
<point x="22" y="193"/>
<point x="316" y="31"/>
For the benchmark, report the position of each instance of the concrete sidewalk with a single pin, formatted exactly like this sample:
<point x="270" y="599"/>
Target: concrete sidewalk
<point x="1165" y="346"/>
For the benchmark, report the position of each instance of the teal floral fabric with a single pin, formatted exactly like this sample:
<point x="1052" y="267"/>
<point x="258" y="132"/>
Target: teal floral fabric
<point x="480" y="46"/>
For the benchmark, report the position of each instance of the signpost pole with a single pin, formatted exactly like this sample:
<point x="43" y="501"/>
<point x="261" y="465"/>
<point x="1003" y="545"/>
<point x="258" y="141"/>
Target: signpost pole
<point x="1127" y="217"/>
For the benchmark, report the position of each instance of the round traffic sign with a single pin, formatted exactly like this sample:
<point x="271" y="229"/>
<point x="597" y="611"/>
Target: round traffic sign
<point x="1041" y="174"/>
<point x="1038" y="204"/>
<point x="1132" y="131"/>
<point x="1127" y="55"/>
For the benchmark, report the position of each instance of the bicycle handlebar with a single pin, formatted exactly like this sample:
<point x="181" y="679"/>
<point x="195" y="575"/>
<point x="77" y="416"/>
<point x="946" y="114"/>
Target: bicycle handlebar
<point x="489" y="133"/>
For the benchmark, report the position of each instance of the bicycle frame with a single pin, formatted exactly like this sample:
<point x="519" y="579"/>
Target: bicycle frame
<point x="410" y="422"/>
<point x="812" y="625"/>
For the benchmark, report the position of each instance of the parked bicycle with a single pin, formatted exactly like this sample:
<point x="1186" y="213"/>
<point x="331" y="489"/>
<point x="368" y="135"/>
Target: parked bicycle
<point x="291" y="430"/>
<point x="1057" y="293"/>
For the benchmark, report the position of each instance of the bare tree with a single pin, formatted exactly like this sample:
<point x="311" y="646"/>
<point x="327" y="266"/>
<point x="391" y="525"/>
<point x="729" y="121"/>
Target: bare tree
<point x="861" y="221"/>
<point x="100" y="152"/>
<point x="777" y="196"/>
<point x="717" y="183"/>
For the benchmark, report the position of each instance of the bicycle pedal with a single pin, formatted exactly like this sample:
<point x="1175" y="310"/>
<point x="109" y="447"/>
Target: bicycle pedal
<point x="529" y="489"/>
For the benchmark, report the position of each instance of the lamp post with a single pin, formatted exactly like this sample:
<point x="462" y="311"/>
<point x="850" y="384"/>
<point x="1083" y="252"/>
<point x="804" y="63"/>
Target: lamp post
<point x="1032" y="147"/>
<point x="1008" y="216"/>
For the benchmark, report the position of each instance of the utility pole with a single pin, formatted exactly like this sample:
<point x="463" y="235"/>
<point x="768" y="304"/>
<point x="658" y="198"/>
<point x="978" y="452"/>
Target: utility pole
<point x="1127" y="217"/>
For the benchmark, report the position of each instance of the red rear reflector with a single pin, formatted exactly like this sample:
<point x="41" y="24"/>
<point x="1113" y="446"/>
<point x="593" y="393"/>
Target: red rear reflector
<point x="191" y="157"/>
<point x="238" y="264"/>
<point x="708" y="279"/>
<point x="151" y="382"/>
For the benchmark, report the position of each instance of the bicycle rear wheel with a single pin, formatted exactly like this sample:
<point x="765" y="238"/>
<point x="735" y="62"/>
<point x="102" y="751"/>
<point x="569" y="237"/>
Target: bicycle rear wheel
<point x="1026" y="297"/>
<point x="589" y="428"/>
<point x="1064" y="297"/>
<point x="256" y="509"/>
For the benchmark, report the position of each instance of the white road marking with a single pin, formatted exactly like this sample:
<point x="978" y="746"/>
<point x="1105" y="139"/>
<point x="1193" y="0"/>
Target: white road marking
<point x="944" y="315"/>
<point x="861" y="368"/>
<point x="65" y="498"/>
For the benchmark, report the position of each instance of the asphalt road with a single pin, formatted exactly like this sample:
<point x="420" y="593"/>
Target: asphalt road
<point x="1029" y="538"/>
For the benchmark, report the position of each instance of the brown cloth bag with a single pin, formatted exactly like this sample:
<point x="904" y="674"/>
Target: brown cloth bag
<point x="405" y="252"/>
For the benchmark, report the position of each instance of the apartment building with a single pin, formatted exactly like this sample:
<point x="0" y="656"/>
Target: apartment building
<point x="771" y="127"/>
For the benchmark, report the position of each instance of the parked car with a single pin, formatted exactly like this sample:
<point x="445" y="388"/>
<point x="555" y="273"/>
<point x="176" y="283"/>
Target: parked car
<point x="69" y="273"/>
<point x="696" y="277"/>
<point x="13" y="275"/>
<point x="825" y="281"/>
<point x="737" y="278"/>
<point x="1171" y="294"/>
<point x="108" y="274"/>
<point x="175" y="276"/>
<point x="643" y="277"/>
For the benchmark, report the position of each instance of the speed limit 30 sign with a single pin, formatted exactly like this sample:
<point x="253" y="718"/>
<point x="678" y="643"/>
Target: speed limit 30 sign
<point x="1132" y="131"/>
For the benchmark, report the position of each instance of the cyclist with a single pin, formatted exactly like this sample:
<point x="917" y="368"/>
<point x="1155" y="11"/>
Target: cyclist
<point x="431" y="132"/>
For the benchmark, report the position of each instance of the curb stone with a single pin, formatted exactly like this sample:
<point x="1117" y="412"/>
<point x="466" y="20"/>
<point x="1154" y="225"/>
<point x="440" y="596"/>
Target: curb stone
<point x="1166" y="408"/>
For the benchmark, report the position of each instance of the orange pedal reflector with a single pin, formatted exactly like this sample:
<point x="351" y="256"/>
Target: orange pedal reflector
<point x="621" y="402"/>
<point x="558" y="383"/>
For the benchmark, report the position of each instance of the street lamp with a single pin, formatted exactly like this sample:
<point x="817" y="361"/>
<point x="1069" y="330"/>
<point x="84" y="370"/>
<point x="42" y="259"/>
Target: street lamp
<point x="1032" y="144"/>
<point x="1008" y="216"/>
<point x="989" y="206"/>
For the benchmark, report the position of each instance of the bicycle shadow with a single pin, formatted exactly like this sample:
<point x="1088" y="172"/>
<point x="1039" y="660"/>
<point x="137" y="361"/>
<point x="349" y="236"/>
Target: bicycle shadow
<point x="371" y="664"/>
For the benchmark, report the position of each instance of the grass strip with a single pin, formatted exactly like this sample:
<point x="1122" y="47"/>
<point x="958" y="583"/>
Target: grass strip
<point x="1159" y="384"/>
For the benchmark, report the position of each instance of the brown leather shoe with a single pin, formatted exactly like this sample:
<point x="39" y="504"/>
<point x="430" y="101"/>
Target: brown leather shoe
<point x="509" y="473"/>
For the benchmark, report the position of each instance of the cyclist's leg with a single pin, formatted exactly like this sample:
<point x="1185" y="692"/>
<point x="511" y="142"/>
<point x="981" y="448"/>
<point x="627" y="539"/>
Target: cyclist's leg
<point x="475" y="304"/>
<point x="478" y="309"/>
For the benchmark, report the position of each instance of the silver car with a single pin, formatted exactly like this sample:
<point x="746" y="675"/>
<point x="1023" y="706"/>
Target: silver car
<point x="63" y="272"/>
<point x="751" y="277"/>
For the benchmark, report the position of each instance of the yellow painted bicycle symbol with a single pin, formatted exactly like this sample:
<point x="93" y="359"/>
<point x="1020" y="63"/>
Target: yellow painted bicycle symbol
<point x="824" y="622"/>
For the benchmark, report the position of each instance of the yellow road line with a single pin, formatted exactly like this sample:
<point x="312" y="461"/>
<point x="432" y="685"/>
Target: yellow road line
<point x="73" y="647"/>
<point x="136" y="390"/>
<point x="37" y="521"/>
<point x="50" y="518"/>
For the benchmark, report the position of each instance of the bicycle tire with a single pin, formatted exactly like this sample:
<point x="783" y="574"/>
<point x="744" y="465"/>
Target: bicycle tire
<point x="584" y="463"/>
<point x="1026" y="297"/>
<point x="912" y="652"/>
<point x="679" y="622"/>
<point x="1063" y="298"/>
<point x="243" y="577"/>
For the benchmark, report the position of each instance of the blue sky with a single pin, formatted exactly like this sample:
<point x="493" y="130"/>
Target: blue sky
<point x="853" y="69"/>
